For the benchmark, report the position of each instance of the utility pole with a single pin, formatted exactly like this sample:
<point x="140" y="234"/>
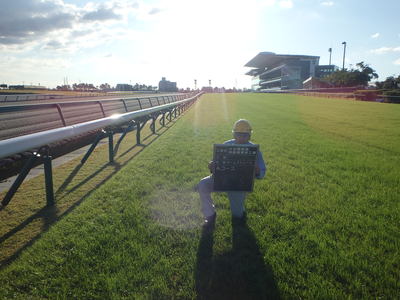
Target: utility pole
<point x="344" y="53"/>
<point x="330" y="55"/>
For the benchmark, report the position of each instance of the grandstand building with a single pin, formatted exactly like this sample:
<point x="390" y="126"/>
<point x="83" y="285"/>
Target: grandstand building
<point x="272" y="71"/>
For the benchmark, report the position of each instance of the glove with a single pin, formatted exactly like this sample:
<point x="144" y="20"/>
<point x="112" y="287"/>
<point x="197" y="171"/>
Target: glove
<point x="211" y="166"/>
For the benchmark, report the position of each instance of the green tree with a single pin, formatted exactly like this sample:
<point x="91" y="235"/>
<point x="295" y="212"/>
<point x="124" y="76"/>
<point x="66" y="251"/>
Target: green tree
<point x="353" y="77"/>
<point x="390" y="83"/>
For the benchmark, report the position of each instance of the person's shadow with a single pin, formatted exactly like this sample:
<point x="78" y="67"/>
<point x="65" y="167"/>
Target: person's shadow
<point x="240" y="273"/>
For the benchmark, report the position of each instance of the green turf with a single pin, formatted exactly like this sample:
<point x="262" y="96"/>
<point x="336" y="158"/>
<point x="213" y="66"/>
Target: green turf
<point x="323" y="224"/>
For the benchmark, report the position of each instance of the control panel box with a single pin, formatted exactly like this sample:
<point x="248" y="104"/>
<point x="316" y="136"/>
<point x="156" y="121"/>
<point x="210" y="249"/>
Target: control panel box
<point x="234" y="167"/>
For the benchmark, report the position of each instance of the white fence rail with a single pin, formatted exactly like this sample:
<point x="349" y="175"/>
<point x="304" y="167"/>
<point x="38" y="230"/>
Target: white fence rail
<point x="23" y="143"/>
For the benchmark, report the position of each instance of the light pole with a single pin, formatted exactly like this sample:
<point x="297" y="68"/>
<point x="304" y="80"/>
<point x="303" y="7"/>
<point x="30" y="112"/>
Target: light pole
<point x="344" y="53"/>
<point x="330" y="55"/>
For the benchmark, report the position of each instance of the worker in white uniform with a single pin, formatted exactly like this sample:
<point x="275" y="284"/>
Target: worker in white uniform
<point x="241" y="132"/>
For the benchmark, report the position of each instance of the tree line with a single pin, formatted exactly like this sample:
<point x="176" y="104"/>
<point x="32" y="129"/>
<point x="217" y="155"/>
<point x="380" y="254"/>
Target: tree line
<point x="361" y="76"/>
<point x="89" y="87"/>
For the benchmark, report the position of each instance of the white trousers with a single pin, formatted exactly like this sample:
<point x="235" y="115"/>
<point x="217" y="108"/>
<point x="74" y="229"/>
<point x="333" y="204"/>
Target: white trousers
<point x="236" y="199"/>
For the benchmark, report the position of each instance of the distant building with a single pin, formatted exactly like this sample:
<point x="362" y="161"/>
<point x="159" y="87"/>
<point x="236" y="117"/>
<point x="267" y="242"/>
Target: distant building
<point x="123" y="87"/>
<point x="167" y="86"/>
<point x="322" y="71"/>
<point x="207" y="89"/>
<point x="282" y="71"/>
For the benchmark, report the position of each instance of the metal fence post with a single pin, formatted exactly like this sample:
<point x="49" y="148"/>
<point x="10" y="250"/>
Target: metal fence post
<point x="110" y="146"/>
<point x="61" y="114"/>
<point x="48" y="175"/>
<point x="126" y="108"/>
<point x="163" y="119"/>
<point x="102" y="108"/>
<point x="138" y="128"/>
<point x="153" y="125"/>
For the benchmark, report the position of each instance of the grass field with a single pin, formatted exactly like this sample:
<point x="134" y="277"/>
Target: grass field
<point x="323" y="224"/>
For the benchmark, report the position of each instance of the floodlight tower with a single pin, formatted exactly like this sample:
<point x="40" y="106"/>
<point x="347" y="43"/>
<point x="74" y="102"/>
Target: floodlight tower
<point x="195" y="84"/>
<point x="209" y="82"/>
<point x="330" y="55"/>
<point x="344" y="53"/>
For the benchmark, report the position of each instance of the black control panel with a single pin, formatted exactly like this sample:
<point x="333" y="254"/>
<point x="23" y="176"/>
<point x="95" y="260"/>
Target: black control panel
<point x="234" y="167"/>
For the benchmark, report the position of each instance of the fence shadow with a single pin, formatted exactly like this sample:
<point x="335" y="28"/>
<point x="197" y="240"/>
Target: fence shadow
<point x="50" y="215"/>
<point x="240" y="273"/>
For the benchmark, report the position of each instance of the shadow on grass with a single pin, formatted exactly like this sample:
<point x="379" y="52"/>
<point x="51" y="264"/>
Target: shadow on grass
<point x="117" y="166"/>
<point x="50" y="215"/>
<point x="165" y="128"/>
<point x="240" y="273"/>
<point x="68" y="180"/>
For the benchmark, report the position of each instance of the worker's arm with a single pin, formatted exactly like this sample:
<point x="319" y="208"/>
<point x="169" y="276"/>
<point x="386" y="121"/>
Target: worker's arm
<point x="261" y="167"/>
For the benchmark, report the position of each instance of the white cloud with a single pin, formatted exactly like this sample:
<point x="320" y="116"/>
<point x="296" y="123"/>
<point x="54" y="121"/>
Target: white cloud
<point x="327" y="3"/>
<point x="375" y="35"/>
<point x="23" y="24"/>
<point x="155" y="10"/>
<point x="397" y="62"/>
<point x="286" y="4"/>
<point x="384" y="50"/>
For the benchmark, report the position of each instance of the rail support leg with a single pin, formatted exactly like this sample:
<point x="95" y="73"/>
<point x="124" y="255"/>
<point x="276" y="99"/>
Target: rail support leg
<point x="90" y="150"/>
<point x="138" y="129"/>
<point x="110" y="146"/>
<point x="18" y="181"/>
<point x="48" y="175"/>
<point x="153" y="125"/>
<point x="162" y="120"/>
<point x="169" y="116"/>
<point x="130" y="127"/>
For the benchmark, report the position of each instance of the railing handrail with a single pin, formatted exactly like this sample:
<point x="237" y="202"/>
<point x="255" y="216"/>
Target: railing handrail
<point x="34" y="97"/>
<point x="35" y="140"/>
<point x="38" y="105"/>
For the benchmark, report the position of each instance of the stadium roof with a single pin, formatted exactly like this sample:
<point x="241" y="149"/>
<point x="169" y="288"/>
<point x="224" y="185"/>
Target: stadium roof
<point x="270" y="59"/>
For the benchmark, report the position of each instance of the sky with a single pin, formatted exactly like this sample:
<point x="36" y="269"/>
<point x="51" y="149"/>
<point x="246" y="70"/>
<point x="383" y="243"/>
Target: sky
<point x="49" y="42"/>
